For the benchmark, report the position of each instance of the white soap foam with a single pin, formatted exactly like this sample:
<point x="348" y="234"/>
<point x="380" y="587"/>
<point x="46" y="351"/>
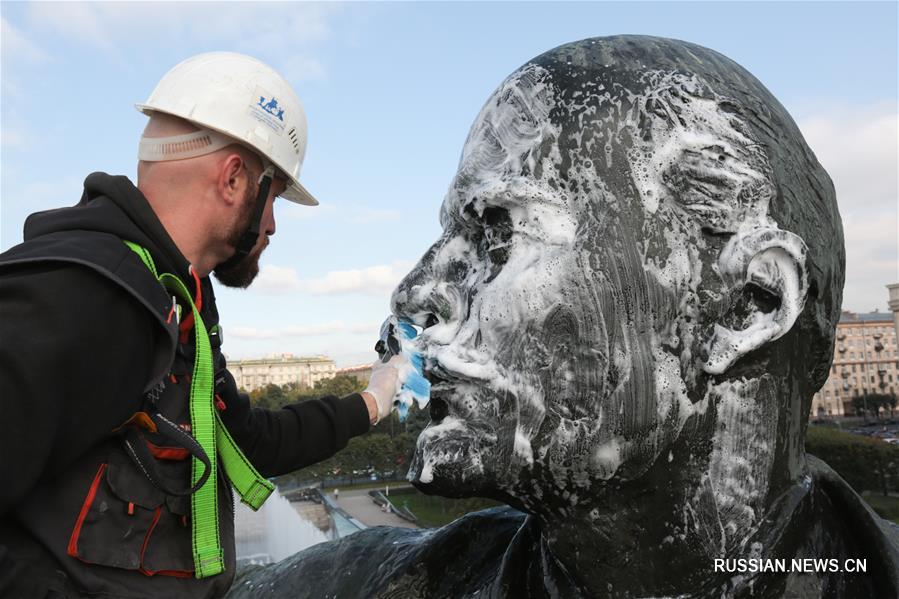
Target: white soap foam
<point x="523" y="447"/>
<point x="607" y="458"/>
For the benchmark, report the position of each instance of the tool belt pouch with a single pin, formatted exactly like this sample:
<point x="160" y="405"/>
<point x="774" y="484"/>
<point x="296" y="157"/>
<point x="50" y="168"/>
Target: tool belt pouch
<point x="126" y="522"/>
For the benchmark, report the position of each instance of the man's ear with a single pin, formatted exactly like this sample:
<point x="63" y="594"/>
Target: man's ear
<point x="233" y="178"/>
<point x="767" y="268"/>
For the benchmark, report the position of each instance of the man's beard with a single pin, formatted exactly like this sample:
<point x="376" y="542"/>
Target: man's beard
<point x="242" y="274"/>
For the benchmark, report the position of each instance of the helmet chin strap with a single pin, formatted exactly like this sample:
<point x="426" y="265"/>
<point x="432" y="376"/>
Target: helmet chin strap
<point x="251" y="235"/>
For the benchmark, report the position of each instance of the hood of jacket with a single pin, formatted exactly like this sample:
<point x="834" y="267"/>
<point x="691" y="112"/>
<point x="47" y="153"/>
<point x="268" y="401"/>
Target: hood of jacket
<point x="112" y="204"/>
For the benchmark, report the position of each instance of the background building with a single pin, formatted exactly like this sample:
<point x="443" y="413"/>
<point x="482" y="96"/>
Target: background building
<point x="280" y="370"/>
<point x="894" y="304"/>
<point x="864" y="362"/>
<point x="361" y="372"/>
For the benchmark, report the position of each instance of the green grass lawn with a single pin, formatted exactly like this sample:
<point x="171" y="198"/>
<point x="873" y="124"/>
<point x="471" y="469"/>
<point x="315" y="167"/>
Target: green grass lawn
<point x="887" y="507"/>
<point x="434" y="511"/>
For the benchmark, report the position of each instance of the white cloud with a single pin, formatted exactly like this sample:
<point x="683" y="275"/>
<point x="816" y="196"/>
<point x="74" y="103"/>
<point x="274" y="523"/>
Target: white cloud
<point x="296" y="331"/>
<point x="373" y="280"/>
<point x="84" y="22"/>
<point x="18" y="53"/>
<point x="276" y="279"/>
<point x="303" y="68"/>
<point x="266" y="28"/>
<point x="13" y="43"/>
<point x="858" y="148"/>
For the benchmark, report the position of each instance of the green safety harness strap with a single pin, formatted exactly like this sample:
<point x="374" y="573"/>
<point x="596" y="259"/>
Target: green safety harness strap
<point x="252" y="487"/>
<point x="214" y="439"/>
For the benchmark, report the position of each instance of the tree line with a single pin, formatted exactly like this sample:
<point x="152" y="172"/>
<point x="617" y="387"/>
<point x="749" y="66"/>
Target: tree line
<point x="385" y="451"/>
<point x="866" y="463"/>
<point x="874" y="403"/>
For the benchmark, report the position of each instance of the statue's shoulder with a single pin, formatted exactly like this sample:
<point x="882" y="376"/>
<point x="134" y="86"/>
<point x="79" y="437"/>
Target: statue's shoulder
<point x="855" y="508"/>
<point x="878" y="537"/>
<point x="393" y="562"/>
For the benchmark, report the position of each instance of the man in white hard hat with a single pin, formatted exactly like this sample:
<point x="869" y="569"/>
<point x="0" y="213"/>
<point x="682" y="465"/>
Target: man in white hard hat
<point x="124" y="429"/>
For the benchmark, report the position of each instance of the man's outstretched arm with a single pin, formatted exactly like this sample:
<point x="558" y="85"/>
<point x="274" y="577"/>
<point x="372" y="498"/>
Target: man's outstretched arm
<point x="306" y="432"/>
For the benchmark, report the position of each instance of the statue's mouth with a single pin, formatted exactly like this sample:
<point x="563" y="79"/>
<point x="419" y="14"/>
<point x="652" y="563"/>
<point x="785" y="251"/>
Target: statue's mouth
<point x="438" y="407"/>
<point x="457" y="392"/>
<point x="443" y="391"/>
<point x="451" y="445"/>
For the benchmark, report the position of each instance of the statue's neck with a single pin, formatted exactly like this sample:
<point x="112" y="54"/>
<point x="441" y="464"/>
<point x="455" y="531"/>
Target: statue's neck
<point x="661" y="546"/>
<point x="721" y="490"/>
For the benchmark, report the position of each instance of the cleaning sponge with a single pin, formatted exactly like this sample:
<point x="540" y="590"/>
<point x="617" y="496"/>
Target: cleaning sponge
<point x="397" y="337"/>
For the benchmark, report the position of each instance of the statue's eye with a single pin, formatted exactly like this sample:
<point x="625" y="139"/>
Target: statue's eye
<point x="497" y="235"/>
<point x="489" y="231"/>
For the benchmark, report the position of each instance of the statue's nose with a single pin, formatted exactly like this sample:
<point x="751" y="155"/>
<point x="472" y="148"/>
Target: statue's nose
<point x="430" y="294"/>
<point x="427" y="301"/>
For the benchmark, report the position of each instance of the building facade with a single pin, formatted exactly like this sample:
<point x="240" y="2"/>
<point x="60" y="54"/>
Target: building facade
<point x="865" y="361"/>
<point x="280" y="370"/>
<point x="361" y="372"/>
<point x="894" y="304"/>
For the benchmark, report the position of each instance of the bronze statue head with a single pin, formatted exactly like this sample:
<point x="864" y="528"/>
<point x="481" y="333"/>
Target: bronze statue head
<point x="636" y="286"/>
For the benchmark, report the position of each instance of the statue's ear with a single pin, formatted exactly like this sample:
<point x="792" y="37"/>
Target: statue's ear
<point x="766" y="266"/>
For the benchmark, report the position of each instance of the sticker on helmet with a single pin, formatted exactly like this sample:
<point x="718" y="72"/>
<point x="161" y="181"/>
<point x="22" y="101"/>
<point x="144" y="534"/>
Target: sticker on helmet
<point x="267" y="110"/>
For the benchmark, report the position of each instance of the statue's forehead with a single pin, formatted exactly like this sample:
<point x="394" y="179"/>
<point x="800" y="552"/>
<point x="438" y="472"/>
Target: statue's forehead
<point x="631" y="129"/>
<point x="511" y="125"/>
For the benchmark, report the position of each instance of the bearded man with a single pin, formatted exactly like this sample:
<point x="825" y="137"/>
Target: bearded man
<point x="124" y="430"/>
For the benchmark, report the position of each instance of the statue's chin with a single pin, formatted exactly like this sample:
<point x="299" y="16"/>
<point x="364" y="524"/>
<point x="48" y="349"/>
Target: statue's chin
<point x="451" y="461"/>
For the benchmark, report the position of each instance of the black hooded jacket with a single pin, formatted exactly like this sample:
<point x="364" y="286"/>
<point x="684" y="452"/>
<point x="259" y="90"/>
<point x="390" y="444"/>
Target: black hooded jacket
<point x="83" y="336"/>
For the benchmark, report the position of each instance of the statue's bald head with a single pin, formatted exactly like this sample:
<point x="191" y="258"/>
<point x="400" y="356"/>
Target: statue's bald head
<point x="713" y="156"/>
<point x="635" y="224"/>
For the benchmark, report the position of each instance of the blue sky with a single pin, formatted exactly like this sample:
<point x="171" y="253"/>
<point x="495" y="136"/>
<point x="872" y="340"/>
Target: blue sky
<point x="390" y="90"/>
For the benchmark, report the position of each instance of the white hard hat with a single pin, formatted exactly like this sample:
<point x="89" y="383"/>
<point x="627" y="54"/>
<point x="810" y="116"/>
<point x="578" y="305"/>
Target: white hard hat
<point x="244" y="99"/>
